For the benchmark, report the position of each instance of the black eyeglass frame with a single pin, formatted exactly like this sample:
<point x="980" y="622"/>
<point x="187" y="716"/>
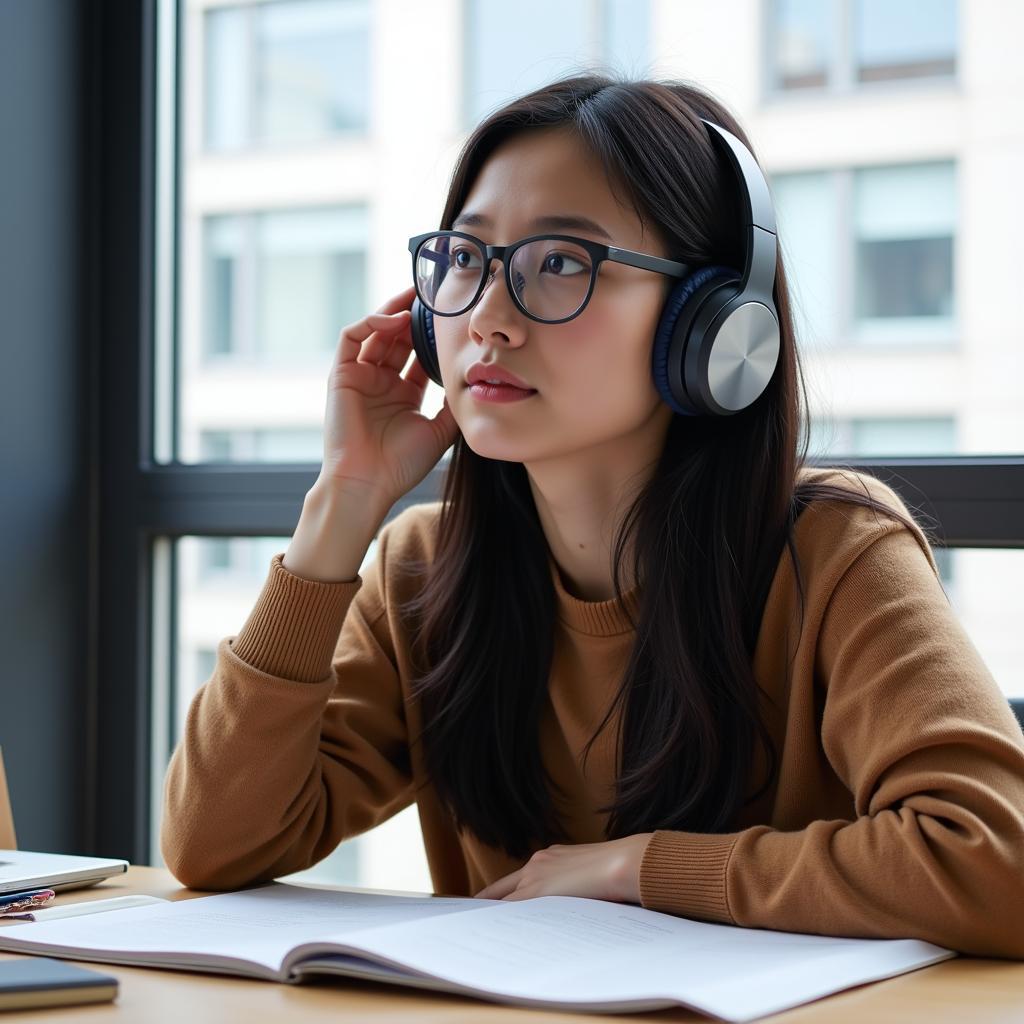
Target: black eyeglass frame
<point x="597" y="251"/>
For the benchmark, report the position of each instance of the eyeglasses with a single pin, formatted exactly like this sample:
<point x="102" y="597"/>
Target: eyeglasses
<point x="550" y="277"/>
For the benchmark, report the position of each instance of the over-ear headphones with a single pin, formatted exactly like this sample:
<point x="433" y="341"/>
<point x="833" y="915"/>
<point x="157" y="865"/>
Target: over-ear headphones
<point x="716" y="345"/>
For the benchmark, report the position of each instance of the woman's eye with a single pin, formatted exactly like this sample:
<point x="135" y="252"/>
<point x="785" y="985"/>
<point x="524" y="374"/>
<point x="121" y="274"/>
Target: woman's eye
<point x="462" y="258"/>
<point x="563" y="265"/>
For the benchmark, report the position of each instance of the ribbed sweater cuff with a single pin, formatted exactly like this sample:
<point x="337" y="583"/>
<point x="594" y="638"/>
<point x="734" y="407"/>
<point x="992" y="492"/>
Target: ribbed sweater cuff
<point x="293" y="630"/>
<point x="684" y="873"/>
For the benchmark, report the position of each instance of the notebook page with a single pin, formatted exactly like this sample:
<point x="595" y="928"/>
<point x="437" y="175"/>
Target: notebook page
<point x="569" y="951"/>
<point x="256" y="926"/>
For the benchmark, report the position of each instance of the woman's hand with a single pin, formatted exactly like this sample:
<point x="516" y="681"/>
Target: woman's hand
<point x="600" y="871"/>
<point x="377" y="443"/>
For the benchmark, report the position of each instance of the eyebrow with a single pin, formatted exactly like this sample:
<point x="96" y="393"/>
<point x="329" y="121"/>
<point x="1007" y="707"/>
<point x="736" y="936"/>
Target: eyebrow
<point x="554" y="222"/>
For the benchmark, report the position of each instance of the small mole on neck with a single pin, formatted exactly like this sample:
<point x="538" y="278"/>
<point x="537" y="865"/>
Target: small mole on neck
<point x="582" y="546"/>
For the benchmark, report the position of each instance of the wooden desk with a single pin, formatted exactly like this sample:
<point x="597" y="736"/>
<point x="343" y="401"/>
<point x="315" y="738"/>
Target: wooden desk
<point x="964" y="988"/>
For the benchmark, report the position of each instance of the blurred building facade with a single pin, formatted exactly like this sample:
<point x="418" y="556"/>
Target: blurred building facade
<point x="317" y="136"/>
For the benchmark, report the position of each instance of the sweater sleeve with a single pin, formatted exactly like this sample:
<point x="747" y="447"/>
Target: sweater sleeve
<point x="296" y="742"/>
<point x="919" y="731"/>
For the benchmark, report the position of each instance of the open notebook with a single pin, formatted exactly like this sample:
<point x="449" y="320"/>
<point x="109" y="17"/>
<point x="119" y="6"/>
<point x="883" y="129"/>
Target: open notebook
<point x="557" y="952"/>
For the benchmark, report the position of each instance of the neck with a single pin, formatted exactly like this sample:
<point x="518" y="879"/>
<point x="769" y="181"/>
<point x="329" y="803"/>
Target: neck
<point x="581" y="498"/>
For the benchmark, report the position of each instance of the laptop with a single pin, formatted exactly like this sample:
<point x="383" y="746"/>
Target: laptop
<point x="23" y="869"/>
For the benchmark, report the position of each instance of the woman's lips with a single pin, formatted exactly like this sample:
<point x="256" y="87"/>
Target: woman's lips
<point x="499" y="392"/>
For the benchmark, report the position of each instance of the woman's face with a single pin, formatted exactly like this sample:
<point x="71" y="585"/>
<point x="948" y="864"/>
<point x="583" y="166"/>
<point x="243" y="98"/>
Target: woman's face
<point x="592" y="374"/>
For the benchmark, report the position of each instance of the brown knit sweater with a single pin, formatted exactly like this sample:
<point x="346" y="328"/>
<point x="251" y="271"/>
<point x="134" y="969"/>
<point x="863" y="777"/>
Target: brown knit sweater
<point x="898" y="810"/>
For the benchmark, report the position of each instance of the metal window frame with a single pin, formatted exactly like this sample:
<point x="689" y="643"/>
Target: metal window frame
<point x="138" y="504"/>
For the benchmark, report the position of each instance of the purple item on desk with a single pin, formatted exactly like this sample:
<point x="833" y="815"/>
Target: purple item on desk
<point x="18" y="902"/>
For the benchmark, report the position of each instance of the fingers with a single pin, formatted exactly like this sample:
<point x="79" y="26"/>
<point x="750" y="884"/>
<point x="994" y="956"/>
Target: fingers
<point x="390" y="341"/>
<point x="352" y="342"/>
<point x="398" y="346"/>
<point x="352" y="337"/>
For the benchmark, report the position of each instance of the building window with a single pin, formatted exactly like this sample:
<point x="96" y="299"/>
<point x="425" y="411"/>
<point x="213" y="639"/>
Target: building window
<point x="805" y="42"/>
<point x="903" y="436"/>
<point x="279" y="444"/>
<point x="904" y="39"/>
<point x="286" y="72"/>
<point x="904" y="222"/>
<point x="869" y="253"/>
<point x="846" y="44"/>
<point x="510" y="49"/>
<point x="807" y="208"/>
<point x="278" y="285"/>
<point x="868" y="436"/>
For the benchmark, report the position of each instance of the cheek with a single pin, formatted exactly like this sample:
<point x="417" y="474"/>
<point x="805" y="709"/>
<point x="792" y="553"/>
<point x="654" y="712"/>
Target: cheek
<point x="449" y="334"/>
<point x="615" y="361"/>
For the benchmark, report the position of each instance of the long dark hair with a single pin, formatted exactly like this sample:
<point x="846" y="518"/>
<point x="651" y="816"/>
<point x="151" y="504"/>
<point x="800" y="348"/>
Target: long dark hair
<point x="708" y="531"/>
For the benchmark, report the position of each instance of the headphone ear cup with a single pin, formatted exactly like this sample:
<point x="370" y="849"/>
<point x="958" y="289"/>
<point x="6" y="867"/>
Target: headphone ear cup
<point x="677" y="315"/>
<point x="422" y="324"/>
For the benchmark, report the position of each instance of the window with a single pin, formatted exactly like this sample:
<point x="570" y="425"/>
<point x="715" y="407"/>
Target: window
<point x="279" y="284"/>
<point x="815" y="45"/>
<point x="986" y="598"/>
<point x="806" y="42"/>
<point x="899" y="288"/>
<point x="286" y="73"/>
<point x="807" y="211"/>
<point x="904" y="223"/>
<point x="881" y="436"/>
<point x="901" y="39"/>
<point x="505" y="54"/>
<point x="284" y="444"/>
<point x="260" y="326"/>
<point x="170" y="462"/>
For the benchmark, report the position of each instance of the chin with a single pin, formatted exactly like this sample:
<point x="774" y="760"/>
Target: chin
<point x="500" y="450"/>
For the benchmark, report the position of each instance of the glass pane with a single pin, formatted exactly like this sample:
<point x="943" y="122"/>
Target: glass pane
<point x="895" y="436"/>
<point x="892" y="364"/>
<point x="506" y="55"/>
<point x="310" y="280"/>
<point x="228" y="70"/>
<point x="280" y="247"/>
<point x="301" y="228"/>
<point x="286" y="72"/>
<point x="904" y="226"/>
<point x="285" y="444"/>
<point x="807" y="218"/>
<point x="219" y="580"/>
<point x="276" y="289"/>
<point x="804" y="43"/>
<point x="627" y="25"/>
<point x="902" y="39"/>
<point x="223" y="245"/>
<point x="982" y="595"/>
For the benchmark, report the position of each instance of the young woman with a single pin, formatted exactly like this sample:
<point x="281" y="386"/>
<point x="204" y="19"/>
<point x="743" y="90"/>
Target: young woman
<point x="634" y="654"/>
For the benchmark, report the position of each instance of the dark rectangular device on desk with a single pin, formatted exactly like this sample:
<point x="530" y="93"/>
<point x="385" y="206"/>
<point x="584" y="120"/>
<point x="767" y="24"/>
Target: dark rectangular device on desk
<point x="43" y="981"/>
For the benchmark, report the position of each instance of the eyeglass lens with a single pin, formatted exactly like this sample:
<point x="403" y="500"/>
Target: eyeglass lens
<point x="551" y="277"/>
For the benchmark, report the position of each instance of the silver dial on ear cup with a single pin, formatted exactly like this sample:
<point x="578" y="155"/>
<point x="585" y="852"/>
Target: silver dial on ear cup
<point x="743" y="357"/>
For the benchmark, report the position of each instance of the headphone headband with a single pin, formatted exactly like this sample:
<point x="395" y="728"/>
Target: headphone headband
<point x="758" y="279"/>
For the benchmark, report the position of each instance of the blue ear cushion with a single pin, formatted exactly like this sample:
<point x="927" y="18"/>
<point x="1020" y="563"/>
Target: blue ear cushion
<point x="674" y="304"/>
<point x="423" y="340"/>
<point x="428" y="325"/>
